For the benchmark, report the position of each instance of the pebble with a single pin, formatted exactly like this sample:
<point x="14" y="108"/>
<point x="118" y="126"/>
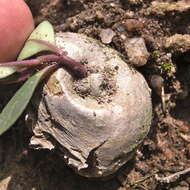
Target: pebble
<point x="157" y="82"/>
<point x="107" y="35"/>
<point x="123" y="37"/>
<point x="137" y="51"/>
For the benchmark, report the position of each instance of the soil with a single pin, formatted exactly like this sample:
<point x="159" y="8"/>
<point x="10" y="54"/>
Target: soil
<point x="166" y="150"/>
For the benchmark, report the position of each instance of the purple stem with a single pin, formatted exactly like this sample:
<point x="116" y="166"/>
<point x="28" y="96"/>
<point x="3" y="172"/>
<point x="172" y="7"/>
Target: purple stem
<point x="77" y="68"/>
<point x="24" y="63"/>
<point x="50" y="46"/>
<point x="23" y="69"/>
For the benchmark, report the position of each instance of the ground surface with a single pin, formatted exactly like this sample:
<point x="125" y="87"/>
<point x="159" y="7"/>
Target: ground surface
<point x="166" y="150"/>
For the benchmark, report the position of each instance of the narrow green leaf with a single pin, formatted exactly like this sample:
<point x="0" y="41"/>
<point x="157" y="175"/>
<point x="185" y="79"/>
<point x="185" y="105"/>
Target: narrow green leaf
<point x="44" y="31"/>
<point x="15" y="107"/>
<point x="6" y="71"/>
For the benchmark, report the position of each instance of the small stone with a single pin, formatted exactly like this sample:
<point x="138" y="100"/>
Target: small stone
<point x="137" y="51"/>
<point x="120" y="28"/>
<point x="123" y="37"/>
<point x="157" y="83"/>
<point x="133" y="25"/>
<point x="107" y="35"/>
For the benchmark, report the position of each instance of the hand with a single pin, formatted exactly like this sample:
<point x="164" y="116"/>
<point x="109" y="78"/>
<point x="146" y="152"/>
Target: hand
<point x="16" y="24"/>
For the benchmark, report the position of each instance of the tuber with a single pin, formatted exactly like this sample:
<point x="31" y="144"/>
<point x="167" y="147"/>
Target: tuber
<point x="95" y="123"/>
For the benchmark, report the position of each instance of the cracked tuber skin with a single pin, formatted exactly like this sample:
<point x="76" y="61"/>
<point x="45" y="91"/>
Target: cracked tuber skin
<point x="16" y="23"/>
<point x="96" y="123"/>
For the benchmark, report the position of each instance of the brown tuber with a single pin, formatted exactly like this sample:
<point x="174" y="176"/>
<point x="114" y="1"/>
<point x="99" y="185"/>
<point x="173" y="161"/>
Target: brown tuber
<point x="96" y="123"/>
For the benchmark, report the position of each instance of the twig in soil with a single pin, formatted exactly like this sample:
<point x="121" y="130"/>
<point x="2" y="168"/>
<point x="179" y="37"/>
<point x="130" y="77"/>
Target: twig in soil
<point x="173" y="177"/>
<point x="163" y="100"/>
<point x="143" y="179"/>
<point x="143" y="187"/>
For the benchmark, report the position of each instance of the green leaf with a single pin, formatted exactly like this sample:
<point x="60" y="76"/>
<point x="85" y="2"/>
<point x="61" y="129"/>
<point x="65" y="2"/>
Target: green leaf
<point x="44" y="31"/>
<point x="6" y="71"/>
<point x="15" y="107"/>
